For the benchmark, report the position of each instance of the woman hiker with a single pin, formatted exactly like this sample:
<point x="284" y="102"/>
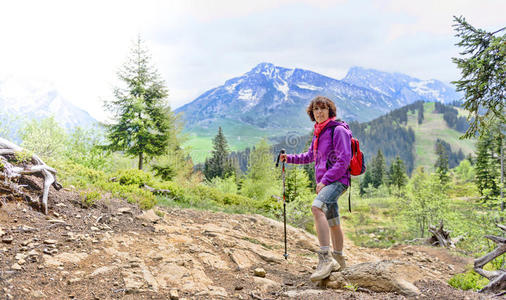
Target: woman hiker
<point x="332" y="155"/>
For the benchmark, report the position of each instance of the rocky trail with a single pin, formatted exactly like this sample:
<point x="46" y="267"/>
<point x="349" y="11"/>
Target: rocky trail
<point x="114" y="250"/>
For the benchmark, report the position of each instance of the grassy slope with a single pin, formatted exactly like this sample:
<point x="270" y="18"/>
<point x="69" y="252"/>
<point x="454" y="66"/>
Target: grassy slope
<point x="239" y="137"/>
<point x="434" y="127"/>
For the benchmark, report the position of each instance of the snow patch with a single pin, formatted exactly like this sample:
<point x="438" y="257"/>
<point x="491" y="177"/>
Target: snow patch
<point x="231" y="88"/>
<point x="307" y="86"/>
<point x="421" y="88"/>
<point x="246" y="94"/>
<point x="283" y="88"/>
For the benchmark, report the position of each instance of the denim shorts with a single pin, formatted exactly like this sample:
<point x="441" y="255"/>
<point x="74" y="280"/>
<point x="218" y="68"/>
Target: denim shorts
<point x="326" y="200"/>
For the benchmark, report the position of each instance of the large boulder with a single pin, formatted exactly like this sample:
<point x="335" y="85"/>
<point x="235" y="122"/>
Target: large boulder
<point x="381" y="276"/>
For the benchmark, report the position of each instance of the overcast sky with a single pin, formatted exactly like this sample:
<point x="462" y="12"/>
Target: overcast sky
<point x="77" y="47"/>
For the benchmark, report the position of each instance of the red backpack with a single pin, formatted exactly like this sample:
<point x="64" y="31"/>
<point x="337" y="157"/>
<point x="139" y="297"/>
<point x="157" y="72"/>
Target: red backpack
<point x="357" y="163"/>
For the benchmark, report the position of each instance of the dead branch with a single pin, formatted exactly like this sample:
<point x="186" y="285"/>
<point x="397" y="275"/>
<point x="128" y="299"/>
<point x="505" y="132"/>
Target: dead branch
<point x="157" y="191"/>
<point x="35" y="167"/>
<point x="497" y="278"/>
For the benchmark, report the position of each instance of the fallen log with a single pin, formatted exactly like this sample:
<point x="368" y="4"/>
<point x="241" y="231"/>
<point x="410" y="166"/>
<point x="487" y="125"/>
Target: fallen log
<point x="157" y="191"/>
<point x="497" y="278"/>
<point x="11" y="170"/>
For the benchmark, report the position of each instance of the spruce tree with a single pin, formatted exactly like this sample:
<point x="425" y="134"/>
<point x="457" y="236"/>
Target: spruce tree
<point x="442" y="163"/>
<point x="482" y="65"/>
<point x="142" y="118"/>
<point x="420" y="113"/>
<point x="378" y="170"/>
<point x="487" y="164"/>
<point x="218" y="165"/>
<point x="365" y="182"/>
<point x="398" y="176"/>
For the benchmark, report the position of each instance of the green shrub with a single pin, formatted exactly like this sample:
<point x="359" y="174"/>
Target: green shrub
<point x="204" y="192"/>
<point x="23" y="156"/>
<point x="71" y="173"/>
<point x="133" y="177"/>
<point x="159" y="213"/>
<point x="234" y="199"/>
<point x="298" y="211"/>
<point x="468" y="280"/>
<point x="226" y="185"/>
<point x="147" y="201"/>
<point x="176" y="191"/>
<point x="89" y="198"/>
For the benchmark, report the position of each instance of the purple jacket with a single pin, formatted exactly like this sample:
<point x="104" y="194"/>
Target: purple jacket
<point x="332" y="161"/>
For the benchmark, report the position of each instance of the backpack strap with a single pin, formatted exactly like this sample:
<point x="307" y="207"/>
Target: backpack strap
<point x="349" y="198"/>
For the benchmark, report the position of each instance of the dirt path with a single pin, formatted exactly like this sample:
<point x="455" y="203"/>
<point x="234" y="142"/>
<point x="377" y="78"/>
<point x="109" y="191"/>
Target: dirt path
<point x="115" y="251"/>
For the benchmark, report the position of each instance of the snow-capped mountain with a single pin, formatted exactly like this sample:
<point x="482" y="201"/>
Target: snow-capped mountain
<point x="20" y="101"/>
<point x="400" y="87"/>
<point x="272" y="97"/>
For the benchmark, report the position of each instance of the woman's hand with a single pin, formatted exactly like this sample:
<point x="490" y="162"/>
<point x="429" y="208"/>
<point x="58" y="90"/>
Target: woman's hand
<point x="319" y="187"/>
<point x="282" y="157"/>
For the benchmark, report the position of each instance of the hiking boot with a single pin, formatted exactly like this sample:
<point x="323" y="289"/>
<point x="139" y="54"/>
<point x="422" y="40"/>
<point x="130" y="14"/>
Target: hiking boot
<point x="325" y="265"/>
<point x="341" y="260"/>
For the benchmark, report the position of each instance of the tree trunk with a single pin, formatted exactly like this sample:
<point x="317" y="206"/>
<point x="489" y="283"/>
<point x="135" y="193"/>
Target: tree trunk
<point x="502" y="176"/>
<point x="140" y="161"/>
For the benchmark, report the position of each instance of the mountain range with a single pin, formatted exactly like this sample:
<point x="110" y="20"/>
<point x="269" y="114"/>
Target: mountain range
<point x="21" y="101"/>
<point x="266" y="101"/>
<point x="273" y="97"/>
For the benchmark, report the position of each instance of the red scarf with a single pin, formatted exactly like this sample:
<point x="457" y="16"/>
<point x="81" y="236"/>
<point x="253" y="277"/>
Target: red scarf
<point x="318" y="127"/>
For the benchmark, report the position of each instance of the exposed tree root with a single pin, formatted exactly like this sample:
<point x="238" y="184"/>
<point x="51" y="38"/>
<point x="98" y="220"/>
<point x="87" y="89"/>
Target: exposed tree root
<point x="14" y="166"/>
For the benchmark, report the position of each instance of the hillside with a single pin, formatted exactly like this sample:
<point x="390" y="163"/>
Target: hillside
<point x="426" y="134"/>
<point x="114" y="250"/>
<point x="400" y="133"/>
<point x="396" y="133"/>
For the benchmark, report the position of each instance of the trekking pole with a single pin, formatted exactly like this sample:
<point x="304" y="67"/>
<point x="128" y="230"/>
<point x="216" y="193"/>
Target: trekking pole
<point x="284" y="195"/>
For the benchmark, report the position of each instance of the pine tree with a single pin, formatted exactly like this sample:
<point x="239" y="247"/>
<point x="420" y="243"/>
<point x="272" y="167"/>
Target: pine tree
<point x="483" y="81"/>
<point x="364" y="184"/>
<point x="397" y="174"/>
<point x="378" y="170"/>
<point x="420" y="113"/>
<point x="486" y="166"/>
<point x="142" y="118"/>
<point x="442" y="163"/>
<point x="218" y="165"/>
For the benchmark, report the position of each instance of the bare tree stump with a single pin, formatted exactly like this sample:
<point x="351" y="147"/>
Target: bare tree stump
<point x="12" y="170"/>
<point x="497" y="278"/>
<point x="440" y="236"/>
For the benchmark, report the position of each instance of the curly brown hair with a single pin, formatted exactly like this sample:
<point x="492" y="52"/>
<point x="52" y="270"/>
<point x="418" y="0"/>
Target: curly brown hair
<point x="322" y="102"/>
